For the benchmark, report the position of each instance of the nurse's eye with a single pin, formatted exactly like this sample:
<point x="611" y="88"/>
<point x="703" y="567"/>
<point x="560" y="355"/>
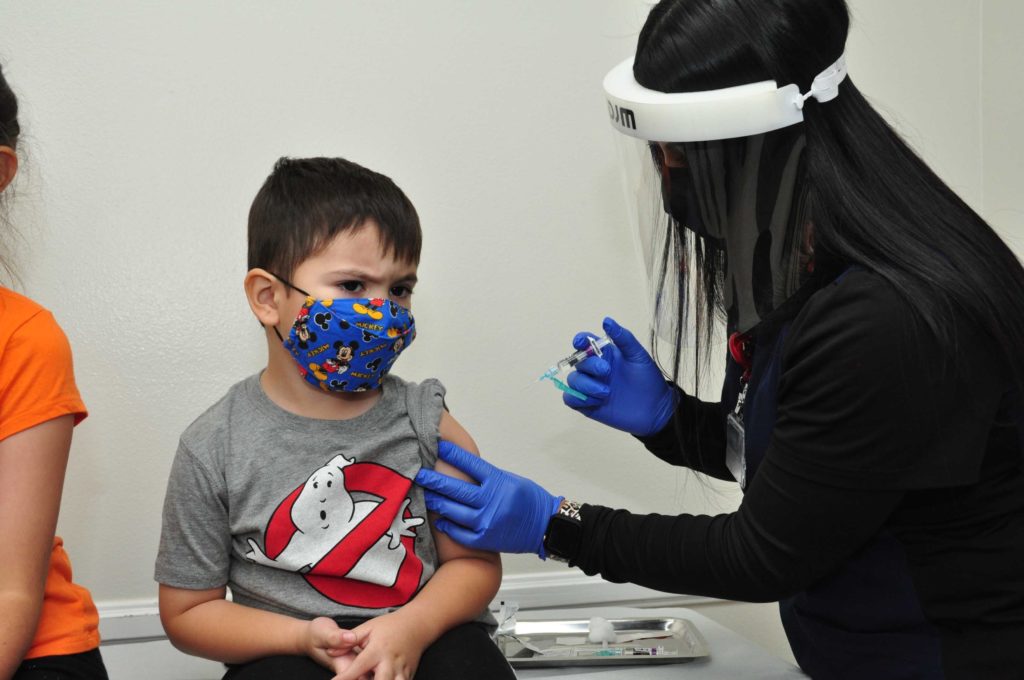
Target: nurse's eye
<point x="351" y="286"/>
<point x="400" y="292"/>
<point x="669" y="155"/>
<point x="675" y="157"/>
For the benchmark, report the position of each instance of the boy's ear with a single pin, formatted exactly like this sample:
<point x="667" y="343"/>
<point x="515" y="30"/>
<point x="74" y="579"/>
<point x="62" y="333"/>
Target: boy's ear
<point x="8" y="166"/>
<point x="261" y="290"/>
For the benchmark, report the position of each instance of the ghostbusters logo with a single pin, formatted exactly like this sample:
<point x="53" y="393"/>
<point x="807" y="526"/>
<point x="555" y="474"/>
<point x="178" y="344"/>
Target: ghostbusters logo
<point x="359" y="553"/>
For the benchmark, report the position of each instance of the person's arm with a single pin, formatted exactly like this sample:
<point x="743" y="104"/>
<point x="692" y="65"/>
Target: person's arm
<point x="868" y="408"/>
<point x="32" y="464"/>
<point x="842" y="455"/>
<point x="693" y="438"/>
<point x="788" y="532"/>
<point x="624" y="388"/>
<point x="203" y="623"/>
<point x="459" y="590"/>
<point x="792" y="528"/>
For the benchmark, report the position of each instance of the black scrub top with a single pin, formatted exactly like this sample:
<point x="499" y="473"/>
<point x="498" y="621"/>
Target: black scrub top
<point x="884" y="505"/>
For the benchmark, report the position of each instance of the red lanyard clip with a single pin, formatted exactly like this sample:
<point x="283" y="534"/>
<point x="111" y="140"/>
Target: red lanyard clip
<point x="742" y="351"/>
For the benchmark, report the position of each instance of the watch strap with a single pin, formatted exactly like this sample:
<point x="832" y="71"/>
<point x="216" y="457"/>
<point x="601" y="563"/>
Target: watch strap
<point x="567" y="519"/>
<point x="570" y="509"/>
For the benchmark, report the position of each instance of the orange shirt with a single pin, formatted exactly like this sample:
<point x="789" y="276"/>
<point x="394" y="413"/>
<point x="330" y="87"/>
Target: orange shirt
<point x="37" y="383"/>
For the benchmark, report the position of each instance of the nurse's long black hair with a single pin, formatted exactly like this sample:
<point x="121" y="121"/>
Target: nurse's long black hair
<point x="872" y="200"/>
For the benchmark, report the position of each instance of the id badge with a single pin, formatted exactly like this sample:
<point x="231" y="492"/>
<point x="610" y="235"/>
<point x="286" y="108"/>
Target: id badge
<point x="735" y="449"/>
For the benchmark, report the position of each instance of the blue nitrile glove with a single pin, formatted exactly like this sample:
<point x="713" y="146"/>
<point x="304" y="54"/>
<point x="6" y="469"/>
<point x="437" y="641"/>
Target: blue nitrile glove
<point x="506" y="513"/>
<point x="625" y="389"/>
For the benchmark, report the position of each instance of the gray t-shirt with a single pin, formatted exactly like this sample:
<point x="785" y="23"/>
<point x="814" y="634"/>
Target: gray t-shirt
<point x="301" y="516"/>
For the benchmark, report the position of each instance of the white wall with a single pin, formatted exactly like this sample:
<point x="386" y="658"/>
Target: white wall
<point x="150" y="128"/>
<point x="1003" y="117"/>
<point x="151" y="125"/>
<point x="918" y="62"/>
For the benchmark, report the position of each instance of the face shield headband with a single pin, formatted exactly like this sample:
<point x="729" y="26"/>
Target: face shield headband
<point x="729" y="166"/>
<point x="728" y="113"/>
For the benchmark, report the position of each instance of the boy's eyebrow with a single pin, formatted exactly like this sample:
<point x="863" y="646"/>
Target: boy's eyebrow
<point x="409" y="277"/>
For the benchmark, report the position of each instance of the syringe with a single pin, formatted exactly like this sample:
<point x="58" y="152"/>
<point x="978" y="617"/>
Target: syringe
<point x="576" y="357"/>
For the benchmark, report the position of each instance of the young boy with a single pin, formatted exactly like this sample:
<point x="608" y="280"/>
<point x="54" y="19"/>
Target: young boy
<point x="295" y="489"/>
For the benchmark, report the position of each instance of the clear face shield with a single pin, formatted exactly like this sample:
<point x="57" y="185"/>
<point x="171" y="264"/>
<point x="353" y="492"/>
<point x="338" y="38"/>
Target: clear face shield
<point x="717" y="174"/>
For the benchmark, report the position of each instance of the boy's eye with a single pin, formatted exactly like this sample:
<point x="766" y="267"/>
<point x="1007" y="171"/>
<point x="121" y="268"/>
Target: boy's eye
<point x="401" y="291"/>
<point x="351" y="286"/>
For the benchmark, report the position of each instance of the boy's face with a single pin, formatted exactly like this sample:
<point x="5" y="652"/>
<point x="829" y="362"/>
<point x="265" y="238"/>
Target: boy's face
<point x="353" y="265"/>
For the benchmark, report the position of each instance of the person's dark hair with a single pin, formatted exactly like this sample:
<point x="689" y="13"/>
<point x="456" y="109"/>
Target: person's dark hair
<point x="9" y="128"/>
<point x="871" y="200"/>
<point x="10" y="131"/>
<point x="306" y="202"/>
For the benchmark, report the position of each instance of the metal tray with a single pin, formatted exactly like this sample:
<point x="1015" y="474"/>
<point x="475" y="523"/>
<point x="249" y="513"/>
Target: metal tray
<point x="642" y="641"/>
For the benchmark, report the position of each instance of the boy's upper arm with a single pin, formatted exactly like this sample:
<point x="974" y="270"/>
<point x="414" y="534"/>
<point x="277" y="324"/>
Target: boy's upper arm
<point x="452" y="431"/>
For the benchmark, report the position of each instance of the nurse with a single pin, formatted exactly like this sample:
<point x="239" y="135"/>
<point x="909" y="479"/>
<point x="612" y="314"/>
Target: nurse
<point x="871" y="404"/>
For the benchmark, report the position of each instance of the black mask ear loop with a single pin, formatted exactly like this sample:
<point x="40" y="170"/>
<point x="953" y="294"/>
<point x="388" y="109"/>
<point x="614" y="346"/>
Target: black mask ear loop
<point x="293" y="287"/>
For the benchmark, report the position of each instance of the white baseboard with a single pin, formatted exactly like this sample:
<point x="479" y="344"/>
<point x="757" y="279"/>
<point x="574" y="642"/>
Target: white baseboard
<point x="137" y="621"/>
<point x="129" y="621"/>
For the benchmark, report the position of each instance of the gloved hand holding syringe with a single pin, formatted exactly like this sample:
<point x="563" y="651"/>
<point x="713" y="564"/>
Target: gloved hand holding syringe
<point x="615" y="381"/>
<point x="569" y="362"/>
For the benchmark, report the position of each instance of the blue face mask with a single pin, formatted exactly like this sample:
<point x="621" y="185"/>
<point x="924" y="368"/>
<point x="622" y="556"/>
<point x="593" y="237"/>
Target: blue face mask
<point x="348" y="345"/>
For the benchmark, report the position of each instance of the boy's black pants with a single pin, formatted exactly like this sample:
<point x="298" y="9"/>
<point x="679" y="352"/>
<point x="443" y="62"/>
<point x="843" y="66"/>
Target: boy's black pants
<point x="465" y="652"/>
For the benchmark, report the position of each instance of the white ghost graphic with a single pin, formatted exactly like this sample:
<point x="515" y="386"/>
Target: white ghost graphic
<point x="323" y="514"/>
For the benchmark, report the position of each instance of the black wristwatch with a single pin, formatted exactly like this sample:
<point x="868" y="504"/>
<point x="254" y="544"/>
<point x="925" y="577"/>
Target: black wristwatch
<point x="565" y="531"/>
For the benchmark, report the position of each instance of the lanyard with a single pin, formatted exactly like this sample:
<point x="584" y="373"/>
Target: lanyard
<point x="741" y="347"/>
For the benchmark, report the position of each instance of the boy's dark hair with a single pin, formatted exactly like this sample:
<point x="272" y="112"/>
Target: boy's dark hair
<point x="306" y="202"/>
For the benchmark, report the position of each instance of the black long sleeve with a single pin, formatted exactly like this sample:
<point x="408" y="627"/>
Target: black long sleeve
<point x="693" y="438"/>
<point x="787" y="533"/>
<point x="877" y="429"/>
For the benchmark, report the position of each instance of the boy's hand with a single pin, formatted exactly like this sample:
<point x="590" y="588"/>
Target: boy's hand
<point x="329" y="645"/>
<point x="391" y="644"/>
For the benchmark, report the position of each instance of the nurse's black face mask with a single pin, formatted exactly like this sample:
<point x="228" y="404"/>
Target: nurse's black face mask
<point x="678" y="192"/>
<point x="744" y="196"/>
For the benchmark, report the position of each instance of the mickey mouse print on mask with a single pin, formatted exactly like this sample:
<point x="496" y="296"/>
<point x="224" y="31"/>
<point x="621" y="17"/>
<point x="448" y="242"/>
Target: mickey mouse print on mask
<point x="348" y="345"/>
